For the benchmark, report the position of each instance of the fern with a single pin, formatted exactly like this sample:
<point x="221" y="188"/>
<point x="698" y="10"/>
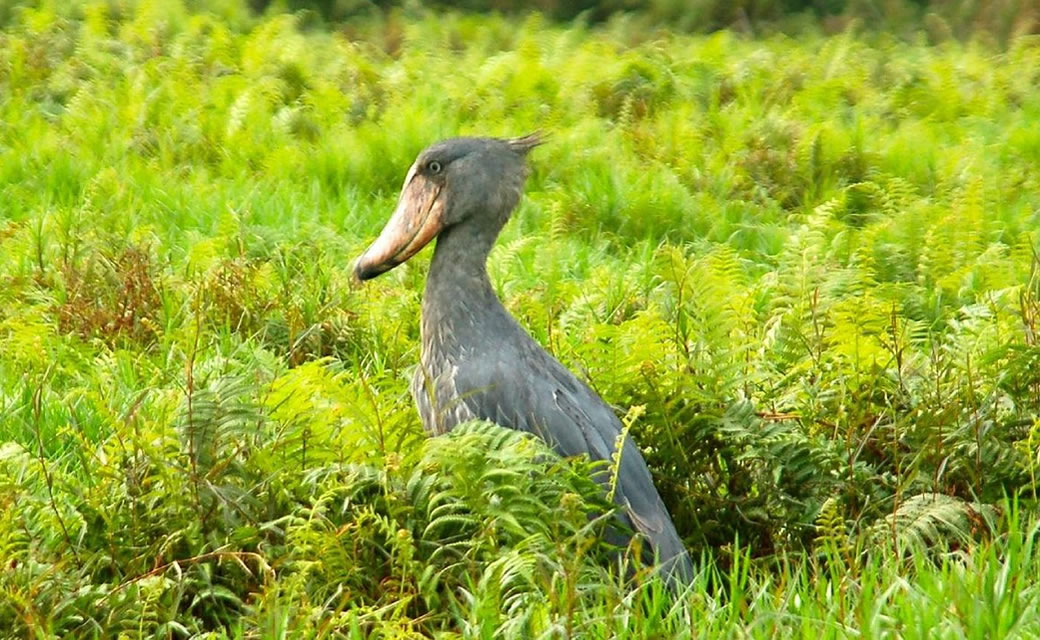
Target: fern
<point x="832" y="537"/>
<point x="929" y="519"/>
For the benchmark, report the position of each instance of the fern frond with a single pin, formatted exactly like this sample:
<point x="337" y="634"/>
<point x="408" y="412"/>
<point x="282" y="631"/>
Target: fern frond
<point x="926" y="520"/>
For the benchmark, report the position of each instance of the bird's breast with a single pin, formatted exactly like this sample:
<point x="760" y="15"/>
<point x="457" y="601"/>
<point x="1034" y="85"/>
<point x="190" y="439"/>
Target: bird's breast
<point x="441" y="404"/>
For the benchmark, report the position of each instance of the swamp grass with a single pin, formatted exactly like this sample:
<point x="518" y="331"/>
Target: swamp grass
<point x="805" y="270"/>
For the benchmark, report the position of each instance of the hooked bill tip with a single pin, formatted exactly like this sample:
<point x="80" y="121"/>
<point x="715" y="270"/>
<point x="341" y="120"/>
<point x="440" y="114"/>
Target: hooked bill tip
<point x="364" y="271"/>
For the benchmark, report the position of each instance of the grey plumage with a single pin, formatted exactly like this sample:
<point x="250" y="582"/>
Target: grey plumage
<point x="477" y="361"/>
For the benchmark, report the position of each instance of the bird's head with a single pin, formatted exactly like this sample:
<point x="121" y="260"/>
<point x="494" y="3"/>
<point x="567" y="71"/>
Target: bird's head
<point x="460" y="181"/>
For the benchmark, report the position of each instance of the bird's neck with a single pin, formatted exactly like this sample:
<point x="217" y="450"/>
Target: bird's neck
<point x="459" y="304"/>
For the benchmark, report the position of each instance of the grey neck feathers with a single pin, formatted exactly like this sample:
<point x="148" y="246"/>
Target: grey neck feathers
<point x="459" y="305"/>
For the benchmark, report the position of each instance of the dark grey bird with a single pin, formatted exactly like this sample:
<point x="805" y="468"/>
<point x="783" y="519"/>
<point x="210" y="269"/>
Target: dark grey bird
<point x="477" y="362"/>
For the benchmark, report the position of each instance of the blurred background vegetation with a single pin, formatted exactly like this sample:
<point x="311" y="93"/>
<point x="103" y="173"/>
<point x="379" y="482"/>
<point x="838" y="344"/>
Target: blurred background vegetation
<point x="997" y="21"/>
<point x="801" y="239"/>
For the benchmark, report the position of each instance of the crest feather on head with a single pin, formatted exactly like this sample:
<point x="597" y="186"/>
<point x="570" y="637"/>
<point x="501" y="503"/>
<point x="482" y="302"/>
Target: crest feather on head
<point x="524" y="144"/>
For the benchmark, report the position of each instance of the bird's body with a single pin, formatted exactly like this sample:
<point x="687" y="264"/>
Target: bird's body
<point x="477" y="362"/>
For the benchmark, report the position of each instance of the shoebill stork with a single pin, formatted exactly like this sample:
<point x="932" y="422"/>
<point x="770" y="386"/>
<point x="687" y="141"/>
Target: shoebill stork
<point x="477" y="362"/>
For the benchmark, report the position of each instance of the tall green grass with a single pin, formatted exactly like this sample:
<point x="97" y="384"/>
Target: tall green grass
<point x="812" y="261"/>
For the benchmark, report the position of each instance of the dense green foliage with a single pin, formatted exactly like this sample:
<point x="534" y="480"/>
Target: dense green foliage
<point x="993" y="20"/>
<point x="806" y="271"/>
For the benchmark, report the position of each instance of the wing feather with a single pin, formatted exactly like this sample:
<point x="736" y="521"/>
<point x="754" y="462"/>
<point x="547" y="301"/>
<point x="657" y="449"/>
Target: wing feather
<point x="553" y="404"/>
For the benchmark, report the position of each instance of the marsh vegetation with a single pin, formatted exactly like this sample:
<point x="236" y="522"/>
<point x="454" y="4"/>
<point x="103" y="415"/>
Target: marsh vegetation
<point x="804" y="269"/>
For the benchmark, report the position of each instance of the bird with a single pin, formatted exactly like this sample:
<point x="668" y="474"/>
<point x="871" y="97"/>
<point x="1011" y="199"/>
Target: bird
<point x="477" y="362"/>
